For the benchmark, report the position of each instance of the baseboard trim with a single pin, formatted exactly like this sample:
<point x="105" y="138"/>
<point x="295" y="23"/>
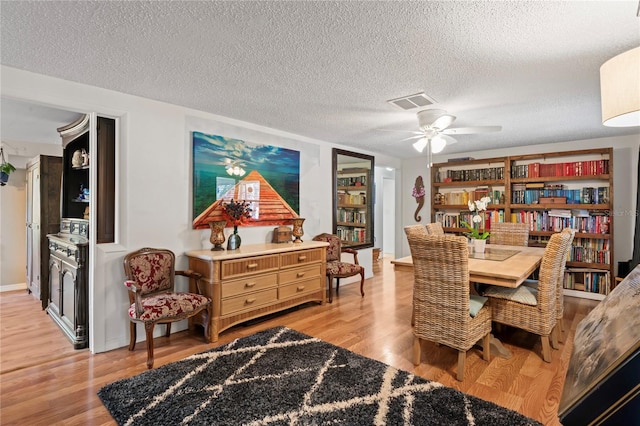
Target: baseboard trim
<point x="12" y="287"/>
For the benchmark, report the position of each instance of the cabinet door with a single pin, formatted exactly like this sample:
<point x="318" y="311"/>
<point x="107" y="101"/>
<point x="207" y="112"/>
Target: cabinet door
<point x="68" y="295"/>
<point x="54" y="285"/>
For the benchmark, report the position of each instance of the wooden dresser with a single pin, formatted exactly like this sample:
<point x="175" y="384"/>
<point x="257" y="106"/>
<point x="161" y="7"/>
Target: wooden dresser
<point x="258" y="279"/>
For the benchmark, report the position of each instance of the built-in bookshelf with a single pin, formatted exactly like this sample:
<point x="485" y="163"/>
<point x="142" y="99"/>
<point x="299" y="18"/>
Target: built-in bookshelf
<point x="550" y="192"/>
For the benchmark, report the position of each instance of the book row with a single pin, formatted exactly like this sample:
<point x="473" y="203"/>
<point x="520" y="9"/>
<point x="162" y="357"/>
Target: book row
<point x="352" y="181"/>
<point x="590" y="281"/>
<point x="352" y="235"/>
<point x="587" y="195"/>
<point x="488" y="173"/>
<point x="346" y="198"/>
<point x="576" y="168"/>
<point x="556" y="221"/>
<point x="351" y="216"/>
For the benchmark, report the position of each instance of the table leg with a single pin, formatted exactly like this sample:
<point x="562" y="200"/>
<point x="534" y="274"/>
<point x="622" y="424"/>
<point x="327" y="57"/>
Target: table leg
<point x="497" y="348"/>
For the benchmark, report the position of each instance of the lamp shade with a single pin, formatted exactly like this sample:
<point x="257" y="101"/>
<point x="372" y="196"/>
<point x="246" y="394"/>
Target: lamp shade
<point x="620" y="89"/>
<point x="420" y="144"/>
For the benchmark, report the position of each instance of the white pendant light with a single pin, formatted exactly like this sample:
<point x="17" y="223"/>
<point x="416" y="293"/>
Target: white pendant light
<point x="620" y="89"/>
<point x="437" y="144"/>
<point x="420" y="144"/>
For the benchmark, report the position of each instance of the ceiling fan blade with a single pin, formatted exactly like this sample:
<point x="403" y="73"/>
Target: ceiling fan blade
<point x="399" y="131"/>
<point x="421" y="135"/>
<point x="470" y="130"/>
<point x="443" y="122"/>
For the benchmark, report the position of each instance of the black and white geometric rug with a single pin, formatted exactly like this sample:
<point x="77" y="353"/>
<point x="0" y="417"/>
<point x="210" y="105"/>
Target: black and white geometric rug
<point x="283" y="377"/>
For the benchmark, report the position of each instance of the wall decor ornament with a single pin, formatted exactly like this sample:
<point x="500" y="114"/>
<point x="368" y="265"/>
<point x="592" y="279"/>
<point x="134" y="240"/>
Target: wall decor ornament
<point x="418" y="193"/>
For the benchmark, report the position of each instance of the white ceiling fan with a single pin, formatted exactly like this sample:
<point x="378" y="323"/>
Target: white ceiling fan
<point x="434" y="130"/>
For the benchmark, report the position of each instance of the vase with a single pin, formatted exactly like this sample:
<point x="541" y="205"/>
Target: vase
<point x="479" y="246"/>
<point x="297" y="229"/>
<point x="217" y="234"/>
<point x="234" y="240"/>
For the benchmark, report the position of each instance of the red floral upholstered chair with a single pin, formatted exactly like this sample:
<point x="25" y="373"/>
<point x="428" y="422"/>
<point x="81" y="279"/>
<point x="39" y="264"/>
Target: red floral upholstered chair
<point x="335" y="267"/>
<point x="150" y="280"/>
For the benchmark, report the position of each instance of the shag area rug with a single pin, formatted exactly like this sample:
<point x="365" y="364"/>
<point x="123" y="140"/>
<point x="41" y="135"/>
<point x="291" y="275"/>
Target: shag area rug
<point x="283" y="377"/>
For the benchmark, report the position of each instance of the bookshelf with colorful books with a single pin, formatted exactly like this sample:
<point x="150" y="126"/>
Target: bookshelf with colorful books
<point x="455" y="183"/>
<point x="550" y="192"/>
<point x="571" y="189"/>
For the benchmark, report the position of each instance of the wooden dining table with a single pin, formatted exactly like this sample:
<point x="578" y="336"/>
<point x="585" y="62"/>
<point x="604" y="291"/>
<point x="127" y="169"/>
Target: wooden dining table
<point x="506" y="266"/>
<point x="502" y="265"/>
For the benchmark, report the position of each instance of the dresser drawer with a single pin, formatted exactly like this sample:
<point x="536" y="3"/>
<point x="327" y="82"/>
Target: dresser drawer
<point x="297" y="274"/>
<point x="250" y="265"/>
<point x="289" y="260"/>
<point x="249" y="301"/>
<point x="248" y="284"/>
<point x="299" y="288"/>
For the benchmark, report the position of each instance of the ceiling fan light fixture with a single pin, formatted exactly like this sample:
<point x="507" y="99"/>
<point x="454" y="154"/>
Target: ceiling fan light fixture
<point x="437" y="145"/>
<point x="420" y="144"/>
<point x="620" y="90"/>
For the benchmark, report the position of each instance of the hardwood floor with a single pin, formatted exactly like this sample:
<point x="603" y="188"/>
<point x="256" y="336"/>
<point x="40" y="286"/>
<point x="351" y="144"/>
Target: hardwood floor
<point x="44" y="381"/>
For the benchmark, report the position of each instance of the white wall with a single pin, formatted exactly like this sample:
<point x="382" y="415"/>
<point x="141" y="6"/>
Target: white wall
<point x="625" y="166"/>
<point x="154" y="184"/>
<point x="13" y="235"/>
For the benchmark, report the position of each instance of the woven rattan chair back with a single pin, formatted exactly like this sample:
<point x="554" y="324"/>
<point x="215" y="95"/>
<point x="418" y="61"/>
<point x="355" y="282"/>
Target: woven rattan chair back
<point x="441" y="295"/>
<point x="435" y="228"/>
<point x="541" y="318"/>
<point x="560" y="286"/>
<point x="511" y="234"/>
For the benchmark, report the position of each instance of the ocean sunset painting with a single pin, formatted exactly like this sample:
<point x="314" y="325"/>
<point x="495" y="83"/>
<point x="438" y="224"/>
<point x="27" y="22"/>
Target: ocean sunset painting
<point x="266" y="176"/>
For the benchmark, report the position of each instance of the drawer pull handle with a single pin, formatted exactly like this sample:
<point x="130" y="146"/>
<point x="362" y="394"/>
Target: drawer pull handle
<point x="249" y="301"/>
<point x="249" y="285"/>
<point x="300" y="288"/>
<point x="252" y="266"/>
<point x="302" y="258"/>
<point x="300" y="274"/>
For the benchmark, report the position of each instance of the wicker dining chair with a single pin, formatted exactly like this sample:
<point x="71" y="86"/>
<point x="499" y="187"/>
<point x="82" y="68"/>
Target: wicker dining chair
<point x="416" y="230"/>
<point x="445" y="312"/>
<point x="533" y="309"/>
<point x="435" y="228"/>
<point x="559" y="328"/>
<point x="508" y="233"/>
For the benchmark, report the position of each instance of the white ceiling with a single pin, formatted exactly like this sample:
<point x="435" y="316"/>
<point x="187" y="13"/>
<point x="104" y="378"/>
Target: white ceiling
<point x="325" y="70"/>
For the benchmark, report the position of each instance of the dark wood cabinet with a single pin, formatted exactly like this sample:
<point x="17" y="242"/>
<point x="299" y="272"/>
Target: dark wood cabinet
<point x="69" y="279"/>
<point x="42" y="218"/>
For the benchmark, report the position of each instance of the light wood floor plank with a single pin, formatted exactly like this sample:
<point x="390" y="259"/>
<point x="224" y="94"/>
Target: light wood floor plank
<point x="43" y="380"/>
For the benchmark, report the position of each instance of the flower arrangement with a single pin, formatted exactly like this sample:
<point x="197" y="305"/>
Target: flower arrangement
<point x="237" y="212"/>
<point x="479" y="206"/>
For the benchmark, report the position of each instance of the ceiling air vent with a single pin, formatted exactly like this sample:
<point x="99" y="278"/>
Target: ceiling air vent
<point x="418" y="100"/>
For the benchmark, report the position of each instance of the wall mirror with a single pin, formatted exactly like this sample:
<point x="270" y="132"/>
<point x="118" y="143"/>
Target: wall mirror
<point x="353" y="182"/>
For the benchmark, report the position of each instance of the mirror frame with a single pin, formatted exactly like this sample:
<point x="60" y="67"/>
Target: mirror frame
<point x="357" y="158"/>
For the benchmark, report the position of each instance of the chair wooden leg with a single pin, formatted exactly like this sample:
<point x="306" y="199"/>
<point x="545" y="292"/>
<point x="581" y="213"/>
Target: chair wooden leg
<point x="546" y="349"/>
<point x="148" y="327"/>
<point x="337" y="286"/>
<point x="132" y="335"/>
<point x="207" y="336"/>
<point x="554" y="337"/>
<point x="362" y="282"/>
<point x="413" y="314"/>
<point x="462" y="357"/>
<point x="486" y="347"/>
<point x="330" y="282"/>
<point x="168" y="330"/>
<point x="416" y="350"/>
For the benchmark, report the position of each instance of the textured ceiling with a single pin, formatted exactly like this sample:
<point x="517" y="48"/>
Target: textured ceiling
<point x="326" y="69"/>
